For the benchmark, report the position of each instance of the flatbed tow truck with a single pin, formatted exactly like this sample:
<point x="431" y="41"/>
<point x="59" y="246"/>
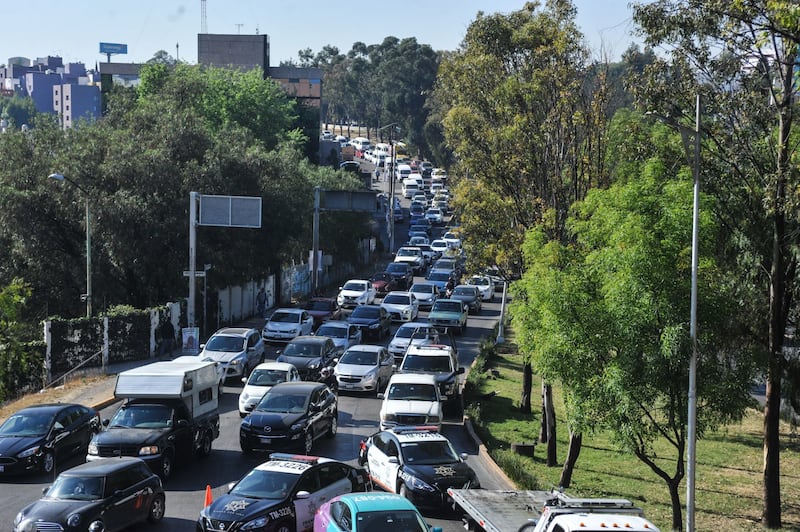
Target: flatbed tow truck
<point x="518" y="511"/>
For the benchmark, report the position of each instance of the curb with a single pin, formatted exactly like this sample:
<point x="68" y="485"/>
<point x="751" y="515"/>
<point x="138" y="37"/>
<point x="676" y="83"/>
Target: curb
<point x="108" y="401"/>
<point x="484" y="454"/>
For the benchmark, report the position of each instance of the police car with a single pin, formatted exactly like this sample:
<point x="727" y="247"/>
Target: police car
<point x="417" y="463"/>
<point x="283" y="493"/>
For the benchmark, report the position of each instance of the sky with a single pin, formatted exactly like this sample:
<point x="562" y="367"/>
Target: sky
<point x="73" y="30"/>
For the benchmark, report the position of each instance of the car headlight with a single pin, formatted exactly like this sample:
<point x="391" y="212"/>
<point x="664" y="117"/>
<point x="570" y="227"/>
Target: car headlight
<point x="314" y="365"/>
<point x="92" y="449"/>
<point x="24" y="525"/>
<point x="388" y="417"/>
<point x="297" y="427"/>
<point x="374" y="325"/>
<point x="259" y="522"/>
<point x="433" y="419"/>
<point x="415" y="483"/>
<point x="74" y="520"/>
<point x="28" y="452"/>
<point x="244" y="396"/>
<point x="295" y="330"/>
<point x="148" y="450"/>
<point x="369" y="377"/>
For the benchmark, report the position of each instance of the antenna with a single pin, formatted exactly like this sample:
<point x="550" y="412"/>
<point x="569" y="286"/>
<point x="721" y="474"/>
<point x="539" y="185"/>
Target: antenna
<point x="203" y="19"/>
<point x="239" y="28"/>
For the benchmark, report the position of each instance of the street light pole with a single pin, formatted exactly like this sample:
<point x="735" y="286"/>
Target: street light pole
<point x="390" y="181"/>
<point x="88" y="223"/>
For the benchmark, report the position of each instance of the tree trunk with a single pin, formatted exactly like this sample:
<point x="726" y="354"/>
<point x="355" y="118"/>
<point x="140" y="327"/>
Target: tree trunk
<point x="675" y="500"/>
<point x="551" y="426"/>
<point x="527" y="384"/>
<point x="543" y="423"/>
<point x="574" y="450"/>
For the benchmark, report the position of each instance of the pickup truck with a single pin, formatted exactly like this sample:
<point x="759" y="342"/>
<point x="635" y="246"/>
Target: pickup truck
<point x="450" y="313"/>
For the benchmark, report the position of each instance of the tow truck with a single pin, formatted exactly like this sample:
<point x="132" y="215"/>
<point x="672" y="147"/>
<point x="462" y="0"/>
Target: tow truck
<point x="518" y="511"/>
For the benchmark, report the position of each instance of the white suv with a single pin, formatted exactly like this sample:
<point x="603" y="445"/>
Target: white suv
<point x="411" y="399"/>
<point x="237" y="350"/>
<point x="437" y="360"/>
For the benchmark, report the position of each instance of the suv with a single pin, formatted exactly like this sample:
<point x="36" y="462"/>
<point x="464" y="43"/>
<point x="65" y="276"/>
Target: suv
<point x="110" y="494"/>
<point x="238" y="350"/>
<point x="309" y="354"/>
<point x="411" y="399"/>
<point x="438" y="360"/>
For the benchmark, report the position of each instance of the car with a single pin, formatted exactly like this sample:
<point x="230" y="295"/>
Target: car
<point x="435" y="359"/>
<point x="221" y="371"/>
<point x="419" y="228"/>
<point x="435" y="215"/>
<point x="469" y="294"/>
<point x="322" y="309"/>
<point x="261" y="379"/>
<point x="485" y="285"/>
<point x="327" y="135"/>
<point x="413" y="257"/>
<point x="440" y="246"/>
<point x="401" y="306"/>
<point x="408" y="333"/>
<point x="425" y="293"/>
<point x="282" y="494"/>
<point x="450" y="313"/>
<point x="383" y="283"/>
<point x="411" y="399"/>
<point x="39" y="437"/>
<point x="398" y="214"/>
<point x="443" y="205"/>
<point x="364" y="368"/>
<point x="417" y="463"/>
<point x="421" y="198"/>
<point x="439" y="278"/>
<point x="402" y="273"/>
<point x="290" y="416"/>
<point x="373" y="320"/>
<point x="110" y="494"/>
<point x="356" y="292"/>
<point x="452" y="239"/>
<point x="287" y="323"/>
<point x="357" y="512"/>
<point x="418" y="241"/>
<point x="439" y="174"/>
<point x="342" y="333"/>
<point x="237" y="349"/>
<point x="416" y="209"/>
<point x="428" y="252"/>
<point x="350" y="166"/>
<point x="414" y="233"/>
<point x="309" y="354"/>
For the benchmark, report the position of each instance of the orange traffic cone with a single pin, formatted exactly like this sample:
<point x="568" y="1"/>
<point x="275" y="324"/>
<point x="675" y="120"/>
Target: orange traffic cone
<point x="208" y="495"/>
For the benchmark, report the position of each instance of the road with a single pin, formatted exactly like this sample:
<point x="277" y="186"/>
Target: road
<point x="358" y="418"/>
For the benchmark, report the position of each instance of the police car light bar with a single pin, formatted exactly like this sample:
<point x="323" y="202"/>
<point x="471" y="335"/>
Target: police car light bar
<point x="294" y="458"/>
<point x="411" y="428"/>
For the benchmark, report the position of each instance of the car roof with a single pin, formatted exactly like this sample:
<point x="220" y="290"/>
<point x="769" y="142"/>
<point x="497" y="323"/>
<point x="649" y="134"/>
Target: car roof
<point x="306" y="386"/>
<point x="412" y="433"/>
<point x="306" y="339"/>
<point x="431" y="350"/>
<point x="283" y="366"/>
<point x="412" y="378"/>
<point x="294" y="464"/>
<point x="47" y="408"/>
<point x="356" y="281"/>
<point x="370" y="348"/>
<point x="415" y="324"/>
<point x="289" y="310"/>
<point x="102" y="466"/>
<point x="234" y="331"/>
<point x="399" y="293"/>
<point x="337" y="323"/>
<point x="376" y="501"/>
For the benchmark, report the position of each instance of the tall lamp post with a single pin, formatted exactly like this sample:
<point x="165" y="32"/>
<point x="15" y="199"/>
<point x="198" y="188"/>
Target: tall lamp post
<point x="390" y="181"/>
<point x="88" y="294"/>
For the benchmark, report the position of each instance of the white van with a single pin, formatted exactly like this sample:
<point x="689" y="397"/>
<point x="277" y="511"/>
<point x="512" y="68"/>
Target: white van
<point x="402" y="172"/>
<point x="361" y="144"/>
<point x="410" y="188"/>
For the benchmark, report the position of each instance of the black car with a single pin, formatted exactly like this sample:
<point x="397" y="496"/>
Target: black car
<point x="309" y="354"/>
<point x="373" y="320"/>
<point x="39" y="437"/>
<point x="417" y="463"/>
<point x="402" y="273"/>
<point x="109" y="495"/>
<point x="282" y="494"/>
<point x="383" y="283"/>
<point x="290" y="416"/>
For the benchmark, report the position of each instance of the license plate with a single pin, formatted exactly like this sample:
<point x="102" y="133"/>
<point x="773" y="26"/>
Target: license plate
<point x="348" y="386"/>
<point x="2" y="468"/>
<point x="266" y="440"/>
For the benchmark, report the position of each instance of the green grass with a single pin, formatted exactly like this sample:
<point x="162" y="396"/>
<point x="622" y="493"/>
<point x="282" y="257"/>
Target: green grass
<point x="728" y="492"/>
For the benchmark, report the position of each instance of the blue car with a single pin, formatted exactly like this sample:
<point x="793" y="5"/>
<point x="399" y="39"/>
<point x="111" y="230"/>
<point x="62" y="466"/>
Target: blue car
<point x="354" y="512"/>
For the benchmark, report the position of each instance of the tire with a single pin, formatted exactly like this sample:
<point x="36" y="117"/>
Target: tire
<point x="48" y="462"/>
<point x="527" y="527"/>
<point x="308" y="442"/>
<point x="242" y="415"/>
<point x="157" y="509"/>
<point x="205" y="445"/>
<point x="167" y="464"/>
<point x="247" y="451"/>
<point x="334" y="426"/>
<point x="285" y="526"/>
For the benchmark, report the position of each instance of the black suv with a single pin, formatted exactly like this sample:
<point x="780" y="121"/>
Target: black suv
<point x="309" y="354"/>
<point x="373" y="320"/>
<point x="290" y="416"/>
<point x="109" y="494"/>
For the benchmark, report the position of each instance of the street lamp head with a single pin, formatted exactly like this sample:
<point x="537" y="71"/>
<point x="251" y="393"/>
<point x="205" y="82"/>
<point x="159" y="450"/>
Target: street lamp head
<point x="57" y="177"/>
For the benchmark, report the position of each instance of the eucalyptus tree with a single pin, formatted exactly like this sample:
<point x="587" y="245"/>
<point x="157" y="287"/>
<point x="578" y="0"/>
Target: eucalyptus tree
<point x="741" y="58"/>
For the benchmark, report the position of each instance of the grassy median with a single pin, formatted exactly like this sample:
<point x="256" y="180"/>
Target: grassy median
<point x="728" y="476"/>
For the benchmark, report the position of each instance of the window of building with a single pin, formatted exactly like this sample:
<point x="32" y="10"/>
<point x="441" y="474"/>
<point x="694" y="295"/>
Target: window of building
<point x="67" y="107"/>
<point x="66" y="97"/>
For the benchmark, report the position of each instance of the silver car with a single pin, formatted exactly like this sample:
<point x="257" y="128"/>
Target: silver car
<point x="237" y="350"/>
<point x="364" y="368"/>
<point x="342" y="333"/>
<point x="426" y="294"/>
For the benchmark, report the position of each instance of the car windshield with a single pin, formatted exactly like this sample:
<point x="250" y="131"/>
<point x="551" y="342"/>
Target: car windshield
<point x="396" y="267"/>
<point x="229" y="344"/>
<point x="26" y="425"/>
<point x="405" y="332"/>
<point x="463" y="291"/>
<point x="381" y="277"/>
<point x="396" y="299"/>
<point x="285" y="317"/>
<point x="266" y="377"/>
<point x="77" y="488"/>
<point x="139" y="416"/>
<point x="433" y="364"/>
<point x="423" y="288"/>
<point x="479" y="281"/>
<point x="428" y="452"/>
<point x="426" y="333"/>
<point x="359" y="358"/>
<point x="355" y="287"/>
<point x="259" y="484"/>
<point x="332" y="331"/>
<point x="366" y="312"/>
<point x="439" y="276"/>
<point x="302" y="349"/>
<point x="412" y="392"/>
<point x="282" y="402"/>
<point x="390" y="521"/>
<point x="447" y="306"/>
<point x="319" y="305"/>
<point x="445" y="264"/>
<point x="406" y="253"/>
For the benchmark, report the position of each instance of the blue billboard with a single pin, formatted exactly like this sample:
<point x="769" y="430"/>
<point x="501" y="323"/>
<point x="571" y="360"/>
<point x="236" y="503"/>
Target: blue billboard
<point x="113" y="48"/>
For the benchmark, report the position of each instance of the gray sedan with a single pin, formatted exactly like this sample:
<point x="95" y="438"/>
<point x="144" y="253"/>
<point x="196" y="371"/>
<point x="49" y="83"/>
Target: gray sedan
<point x="470" y="295"/>
<point x="364" y="368"/>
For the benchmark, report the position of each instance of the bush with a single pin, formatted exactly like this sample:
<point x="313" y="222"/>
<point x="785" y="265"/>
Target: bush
<point x="518" y="468"/>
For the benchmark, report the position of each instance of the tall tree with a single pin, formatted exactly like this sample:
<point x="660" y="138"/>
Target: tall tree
<point x="741" y="58"/>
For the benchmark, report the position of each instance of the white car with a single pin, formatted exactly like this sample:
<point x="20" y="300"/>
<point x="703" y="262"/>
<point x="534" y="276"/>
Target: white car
<point x="440" y="246"/>
<point x="434" y="214"/>
<point x="452" y="239"/>
<point x="402" y="338"/>
<point x="426" y="293"/>
<point x="411" y="399"/>
<point x="413" y="257"/>
<point x="342" y="333"/>
<point x="285" y="324"/>
<point x="364" y="368"/>
<point x="356" y="292"/>
<point x="237" y="350"/>
<point x="401" y="306"/>
<point x="263" y="377"/>
<point x="485" y="285"/>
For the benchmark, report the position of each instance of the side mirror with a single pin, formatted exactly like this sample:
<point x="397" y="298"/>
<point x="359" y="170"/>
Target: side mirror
<point x="460" y="371"/>
<point x="393" y="460"/>
<point x="244" y="380"/>
<point x="464" y="456"/>
<point x="202" y="346"/>
<point x="45" y="490"/>
<point x="380" y="395"/>
<point x="106" y="422"/>
<point x="302" y="495"/>
<point x="182" y="423"/>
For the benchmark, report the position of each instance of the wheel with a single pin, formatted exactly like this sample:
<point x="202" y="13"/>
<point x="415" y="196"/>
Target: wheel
<point x="205" y="445"/>
<point x="308" y="442"/>
<point x="157" y="509"/>
<point x="403" y="492"/>
<point x="334" y="425"/>
<point x="527" y="527"/>
<point x="285" y="526"/>
<point x="241" y="415"/>
<point x="48" y="462"/>
<point x="247" y="450"/>
<point x="166" y="466"/>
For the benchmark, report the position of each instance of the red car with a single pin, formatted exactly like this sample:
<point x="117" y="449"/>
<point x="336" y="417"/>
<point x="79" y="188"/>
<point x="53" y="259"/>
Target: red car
<point x="323" y="309"/>
<point x="384" y="283"/>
